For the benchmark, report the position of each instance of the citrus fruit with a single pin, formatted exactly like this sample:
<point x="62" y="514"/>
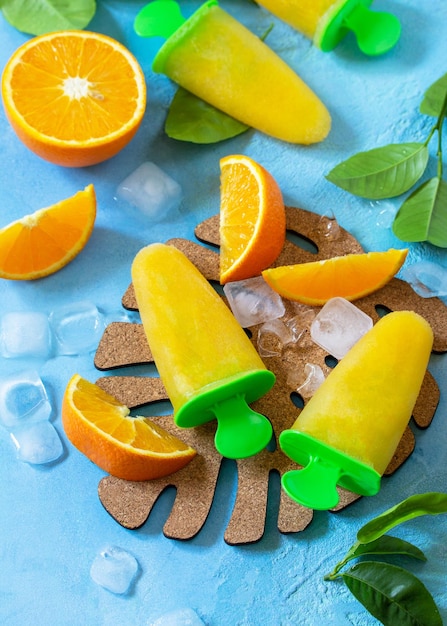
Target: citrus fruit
<point x="75" y="98"/>
<point x="43" y="242"/>
<point x="132" y="448"/>
<point x="252" y="219"/>
<point x="351" y="276"/>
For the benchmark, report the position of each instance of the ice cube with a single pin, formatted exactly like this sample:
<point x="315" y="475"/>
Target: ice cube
<point x="300" y="323"/>
<point x="180" y="617"/>
<point x="23" y="398"/>
<point x="272" y="337"/>
<point x="328" y="227"/>
<point x="37" y="443"/>
<point x="253" y="301"/>
<point x="114" y="569"/>
<point x="151" y="190"/>
<point x="427" y="278"/>
<point x="310" y="380"/>
<point x="77" y="327"/>
<point x="338" y="326"/>
<point x="25" y="334"/>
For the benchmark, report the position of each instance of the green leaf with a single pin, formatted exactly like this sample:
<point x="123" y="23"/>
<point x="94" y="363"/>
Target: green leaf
<point x="434" y="98"/>
<point x="432" y="503"/>
<point x="42" y="16"/>
<point x="392" y="595"/>
<point x="382" y="172"/>
<point x="386" y="545"/>
<point x="191" y="119"/>
<point x="423" y="215"/>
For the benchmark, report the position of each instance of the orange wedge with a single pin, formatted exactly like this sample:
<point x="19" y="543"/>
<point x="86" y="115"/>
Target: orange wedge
<point x="45" y="241"/>
<point x="75" y="98"/>
<point x="252" y="219"/>
<point x="351" y="276"/>
<point x="132" y="448"/>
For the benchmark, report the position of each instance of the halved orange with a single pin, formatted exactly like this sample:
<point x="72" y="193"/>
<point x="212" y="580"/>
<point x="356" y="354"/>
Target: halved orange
<point x="132" y="448"/>
<point x="351" y="276"/>
<point x="75" y="98"/>
<point x="252" y="219"/>
<point x="43" y="242"/>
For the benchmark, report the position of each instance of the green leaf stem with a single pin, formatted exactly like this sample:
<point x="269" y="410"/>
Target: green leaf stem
<point x="382" y="172"/>
<point x="191" y="119"/>
<point x="37" y="17"/>
<point x="423" y="215"/>
<point x="432" y="503"/>
<point x="392" y="595"/>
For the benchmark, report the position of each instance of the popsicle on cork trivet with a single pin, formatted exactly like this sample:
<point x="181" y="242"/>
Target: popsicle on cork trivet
<point x="327" y="22"/>
<point x="215" y="57"/>
<point x="349" y="430"/>
<point x="205" y="360"/>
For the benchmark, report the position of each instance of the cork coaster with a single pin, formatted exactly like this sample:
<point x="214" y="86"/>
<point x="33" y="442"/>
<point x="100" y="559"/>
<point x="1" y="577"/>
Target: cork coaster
<point x="310" y="238"/>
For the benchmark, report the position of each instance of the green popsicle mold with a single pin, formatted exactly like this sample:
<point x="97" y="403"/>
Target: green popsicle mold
<point x="315" y="486"/>
<point x="241" y="432"/>
<point x="376" y="31"/>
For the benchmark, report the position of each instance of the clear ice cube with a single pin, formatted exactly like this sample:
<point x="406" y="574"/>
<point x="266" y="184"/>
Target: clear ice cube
<point x="253" y="301"/>
<point x="311" y="379"/>
<point x="37" y="443"/>
<point x="300" y="323"/>
<point x="180" y="617"/>
<point x="114" y="569"/>
<point x="338" y="326"/>
<point x="427" y="278"/>
<point x="151" y="190"/>
<point x="272" y="337"/>
<point x="25" y="334"/>
<point x="23" y="399"/>
<point x="77" y="327"/>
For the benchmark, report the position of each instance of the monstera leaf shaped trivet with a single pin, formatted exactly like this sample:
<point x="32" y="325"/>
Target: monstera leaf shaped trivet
<point x="123" y="343"/>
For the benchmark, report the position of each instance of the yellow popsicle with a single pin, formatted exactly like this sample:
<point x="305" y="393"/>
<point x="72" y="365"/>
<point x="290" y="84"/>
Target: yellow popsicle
<point x="218" y="59"/>
<point x="207" y="364"/>
<point x="350" y="429"/>
<point x="327" y="22"/>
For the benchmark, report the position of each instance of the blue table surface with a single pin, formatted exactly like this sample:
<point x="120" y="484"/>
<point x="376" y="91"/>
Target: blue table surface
<point x="52" y="523"/>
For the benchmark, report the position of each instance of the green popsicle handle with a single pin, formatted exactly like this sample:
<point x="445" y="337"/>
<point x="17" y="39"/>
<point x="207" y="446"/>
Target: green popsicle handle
<point x="376" y="32"/>
<point x="160" y="18"/>
<point x="241" y="432"/>
<point x="315" y="486"/>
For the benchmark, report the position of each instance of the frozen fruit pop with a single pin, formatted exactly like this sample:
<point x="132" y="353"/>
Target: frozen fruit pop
<point x="215" y="57"/>
<point x="205" y="360"/>
<point x="349" y="430"/>
<point x="327" y="22"/>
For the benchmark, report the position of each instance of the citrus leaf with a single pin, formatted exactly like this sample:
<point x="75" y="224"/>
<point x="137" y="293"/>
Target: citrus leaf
<point x="392" y="595"/>
<point x="431" y="503"/>
<point x="386" y="545"/>
<point x="434" y="98"/>
<point x="423" y="215"/>
<point x="37" y="17"/>
<point x="191" y="119"/>
<point x="382" y="172"/>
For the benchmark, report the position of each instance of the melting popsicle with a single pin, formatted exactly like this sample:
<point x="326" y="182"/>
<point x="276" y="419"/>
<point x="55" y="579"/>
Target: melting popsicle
<point x="349" y="430"/>
<point x="327" y="22"/>
<point x="205" y="360"/>
<point x="215" y="57"/>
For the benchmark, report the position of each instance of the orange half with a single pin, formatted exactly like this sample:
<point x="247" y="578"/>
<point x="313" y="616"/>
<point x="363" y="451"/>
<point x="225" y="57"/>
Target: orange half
<point x="43" y="242"/>
<point x="352" y="276"/>
<point x="252" y="219"/>
<point x="75" y="98"/>
<point x="132" y="448"/>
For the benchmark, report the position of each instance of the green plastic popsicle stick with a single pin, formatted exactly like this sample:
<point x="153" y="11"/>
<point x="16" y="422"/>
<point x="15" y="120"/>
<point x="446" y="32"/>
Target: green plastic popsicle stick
<point x="160" y="18"/>
<point x="376" y="31"/>
<point x="315" y="486"/>
<point x="241" y="432"/>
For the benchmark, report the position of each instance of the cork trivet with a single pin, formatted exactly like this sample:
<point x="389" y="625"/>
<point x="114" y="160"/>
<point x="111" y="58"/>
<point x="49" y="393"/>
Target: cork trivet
<point x="124" y="344"/>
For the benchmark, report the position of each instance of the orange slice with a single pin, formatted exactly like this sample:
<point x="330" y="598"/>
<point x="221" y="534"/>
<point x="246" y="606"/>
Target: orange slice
<point x="75" y="98"/>
<point x="132" y="448"/>
<point x="351" y="276"/>
<point x="252" y="219"/>
<point x="45" y="241"/>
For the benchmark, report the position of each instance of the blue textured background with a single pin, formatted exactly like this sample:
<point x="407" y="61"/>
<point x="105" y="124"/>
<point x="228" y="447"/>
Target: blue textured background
<point x="51" y="521"/>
